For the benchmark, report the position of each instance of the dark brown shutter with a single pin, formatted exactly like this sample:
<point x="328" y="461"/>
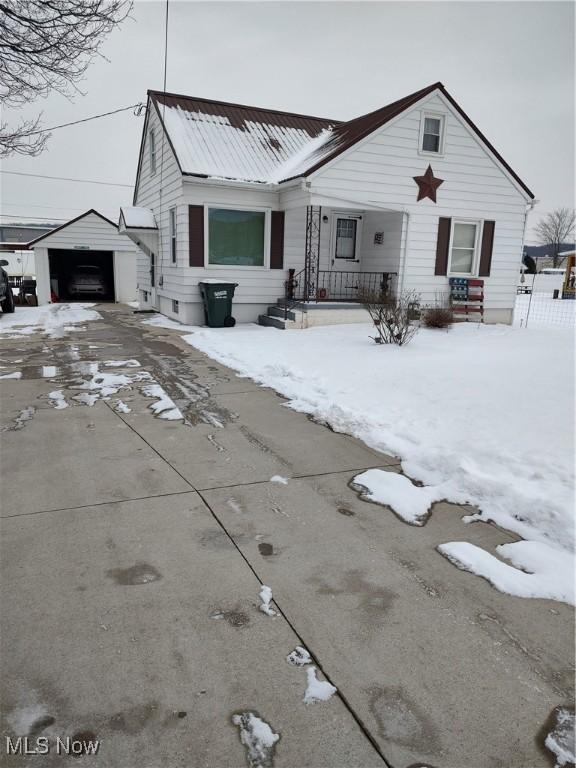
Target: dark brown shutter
<point x="442" y="245"/>
<point x="486" y="249"/>
<point x="277" y="240"/>
<point x="196" y="235"/>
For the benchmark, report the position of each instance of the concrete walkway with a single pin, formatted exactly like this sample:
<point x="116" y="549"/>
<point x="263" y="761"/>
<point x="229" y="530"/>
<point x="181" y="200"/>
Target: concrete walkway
<point x="134" y="549"/>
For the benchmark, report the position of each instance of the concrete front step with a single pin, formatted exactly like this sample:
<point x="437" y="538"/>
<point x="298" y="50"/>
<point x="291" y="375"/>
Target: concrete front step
<point x="273" y="322"/>
<point x="278" y="311"/>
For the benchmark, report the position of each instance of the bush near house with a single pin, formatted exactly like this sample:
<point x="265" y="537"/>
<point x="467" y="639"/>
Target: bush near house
<point x="392" y="315"/>
<point x="437" y="317"/>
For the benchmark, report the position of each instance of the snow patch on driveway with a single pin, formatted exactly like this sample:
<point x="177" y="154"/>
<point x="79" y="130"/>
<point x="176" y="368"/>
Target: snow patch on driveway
<point x="317" y="690"/>
<point x="299" y="657"/>
<point x="58" y="399"/>
<point x="537" y="570"/>
<point x="561" y="741"/>
<point x="164" y="407"/>
<point x="266" y="599"/>
<point x="15" y="375"/>
<point x="410" y="502"/>
<point x="258" y="738"/>
<point x="54" y="320"/>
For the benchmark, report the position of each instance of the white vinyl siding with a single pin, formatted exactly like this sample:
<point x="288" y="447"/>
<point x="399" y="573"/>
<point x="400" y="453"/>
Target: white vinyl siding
<point x="148" y="196"/>
<point x="380" y="171"/>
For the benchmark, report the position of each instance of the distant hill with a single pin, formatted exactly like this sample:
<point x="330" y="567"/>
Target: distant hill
<point x="542" y="251"/>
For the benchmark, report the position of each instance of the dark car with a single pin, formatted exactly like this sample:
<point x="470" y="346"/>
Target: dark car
<point x="6" y="295"/>
<point x="87" y="278"/>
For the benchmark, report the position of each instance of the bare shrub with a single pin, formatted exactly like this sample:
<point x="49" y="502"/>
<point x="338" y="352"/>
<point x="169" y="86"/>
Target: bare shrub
<point x="392" y="315"/>
<point x="437" y="317"/>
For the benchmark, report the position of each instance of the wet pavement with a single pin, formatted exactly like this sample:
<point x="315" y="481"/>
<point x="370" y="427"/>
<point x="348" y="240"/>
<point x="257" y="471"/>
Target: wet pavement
<point x="138" y="525"/>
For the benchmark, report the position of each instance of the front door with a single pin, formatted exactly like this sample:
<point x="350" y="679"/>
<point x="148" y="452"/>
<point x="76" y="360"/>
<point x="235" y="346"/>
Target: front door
<point x="346" y="242"/>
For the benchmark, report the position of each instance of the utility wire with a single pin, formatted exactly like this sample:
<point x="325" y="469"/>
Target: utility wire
<point x="84" y="120"/>
<point x="64" y="178"/>
<point x="27" y="217"/>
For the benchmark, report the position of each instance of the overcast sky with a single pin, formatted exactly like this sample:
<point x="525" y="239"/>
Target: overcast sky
<point x="510" y="65"/>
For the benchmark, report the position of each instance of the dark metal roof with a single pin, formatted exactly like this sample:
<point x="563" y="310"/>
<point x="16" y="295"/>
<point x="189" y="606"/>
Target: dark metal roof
<point x="221" y="139"/>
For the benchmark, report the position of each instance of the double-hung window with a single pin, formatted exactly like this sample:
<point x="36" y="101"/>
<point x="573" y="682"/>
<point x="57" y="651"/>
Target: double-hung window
<point x="432" y="133"/>
<point x="236" y="237"/>
<point x="152" y="147"/>
<point x="173" y="235"/>
<point x="463" y="248"/>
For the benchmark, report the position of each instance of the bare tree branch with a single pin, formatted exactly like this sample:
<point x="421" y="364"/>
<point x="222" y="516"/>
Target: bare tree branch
<point x="22" y="140"/>
<point x="47" y="45"/>
<point x="554" y="229"/>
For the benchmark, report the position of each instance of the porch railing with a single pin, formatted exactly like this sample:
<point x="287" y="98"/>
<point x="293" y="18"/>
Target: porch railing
<point x="333" y="285"/>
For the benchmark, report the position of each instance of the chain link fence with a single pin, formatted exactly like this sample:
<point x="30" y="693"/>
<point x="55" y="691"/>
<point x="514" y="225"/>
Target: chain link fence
<point x="537" y="307"/>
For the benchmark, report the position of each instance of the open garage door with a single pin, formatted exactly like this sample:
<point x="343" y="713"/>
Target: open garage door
<point x="81" y="275"/>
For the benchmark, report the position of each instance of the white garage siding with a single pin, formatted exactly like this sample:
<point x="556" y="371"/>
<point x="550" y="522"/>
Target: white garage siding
<point x="89" y="233"/>
<point x="379" y="170"/>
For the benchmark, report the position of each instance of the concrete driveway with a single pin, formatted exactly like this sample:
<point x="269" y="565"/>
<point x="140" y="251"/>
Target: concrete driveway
<point x="134" y="548"/>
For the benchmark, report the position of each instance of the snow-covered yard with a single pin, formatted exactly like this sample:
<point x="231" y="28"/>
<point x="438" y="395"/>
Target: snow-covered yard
<point x="479" y="414"/>
<point x="540" y="310"/>
<point x="52" y="319"/>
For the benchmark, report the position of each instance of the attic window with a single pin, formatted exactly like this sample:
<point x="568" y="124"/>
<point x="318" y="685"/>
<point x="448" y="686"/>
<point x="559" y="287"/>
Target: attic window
<point x="431" y="131"/>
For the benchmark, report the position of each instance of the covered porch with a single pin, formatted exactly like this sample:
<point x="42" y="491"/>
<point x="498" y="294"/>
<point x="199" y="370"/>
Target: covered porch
<point x="344" y="253"/>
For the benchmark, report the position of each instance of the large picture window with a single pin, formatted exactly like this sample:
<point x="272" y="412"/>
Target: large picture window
<point x="236" y="237"/>
<point x="463" y="250"/>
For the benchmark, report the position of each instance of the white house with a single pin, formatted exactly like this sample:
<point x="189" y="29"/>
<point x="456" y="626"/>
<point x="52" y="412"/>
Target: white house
<point x="402" y="198"/>
<point x="90" y="240"/>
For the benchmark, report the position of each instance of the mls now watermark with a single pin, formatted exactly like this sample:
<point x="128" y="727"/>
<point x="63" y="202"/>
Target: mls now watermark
<point x="68" y="745"/>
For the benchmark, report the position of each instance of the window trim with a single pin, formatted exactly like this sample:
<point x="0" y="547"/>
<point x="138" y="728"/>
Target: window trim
<point x="173" y="219"/>
<point x="475" y="256"/>
<point x="152" y="151"/>
<point x="228" y="207"/>
<point x="435" y="116"/>
<point x="333" y="229"/>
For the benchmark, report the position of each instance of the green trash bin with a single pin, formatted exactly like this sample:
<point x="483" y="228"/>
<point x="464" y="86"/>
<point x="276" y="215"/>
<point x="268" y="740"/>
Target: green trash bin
<point x="217" y="297"/>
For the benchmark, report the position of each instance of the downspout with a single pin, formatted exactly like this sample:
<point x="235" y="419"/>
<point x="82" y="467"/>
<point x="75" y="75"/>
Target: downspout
<point x="402" y="274"/>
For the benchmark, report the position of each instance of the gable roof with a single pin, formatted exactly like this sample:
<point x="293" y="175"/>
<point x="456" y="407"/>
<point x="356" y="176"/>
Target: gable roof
<point x="232" y="141"/>
<point x="72" y="221"/>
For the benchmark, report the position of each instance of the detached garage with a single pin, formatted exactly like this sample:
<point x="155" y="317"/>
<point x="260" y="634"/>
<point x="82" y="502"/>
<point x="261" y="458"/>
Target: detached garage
<point x="85" y="260"/>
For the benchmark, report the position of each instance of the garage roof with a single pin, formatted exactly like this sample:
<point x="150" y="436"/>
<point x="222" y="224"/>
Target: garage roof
<point x="68" y="223"/>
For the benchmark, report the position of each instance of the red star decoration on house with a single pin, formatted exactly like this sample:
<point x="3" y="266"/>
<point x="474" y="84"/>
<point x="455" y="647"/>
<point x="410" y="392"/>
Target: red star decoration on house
<point x="427" y="185"/>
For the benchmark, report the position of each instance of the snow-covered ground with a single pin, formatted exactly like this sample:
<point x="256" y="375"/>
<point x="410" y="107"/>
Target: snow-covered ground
<point x="52" y="319"/>
<point x="481" y="414"/>
<point x="540" y="310"/>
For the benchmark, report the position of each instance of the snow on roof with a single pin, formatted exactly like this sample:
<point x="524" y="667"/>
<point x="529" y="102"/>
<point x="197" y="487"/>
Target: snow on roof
<point x="211" y="145"/>
<point x="232" y="141"/>
<point x="138" y="218"/>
